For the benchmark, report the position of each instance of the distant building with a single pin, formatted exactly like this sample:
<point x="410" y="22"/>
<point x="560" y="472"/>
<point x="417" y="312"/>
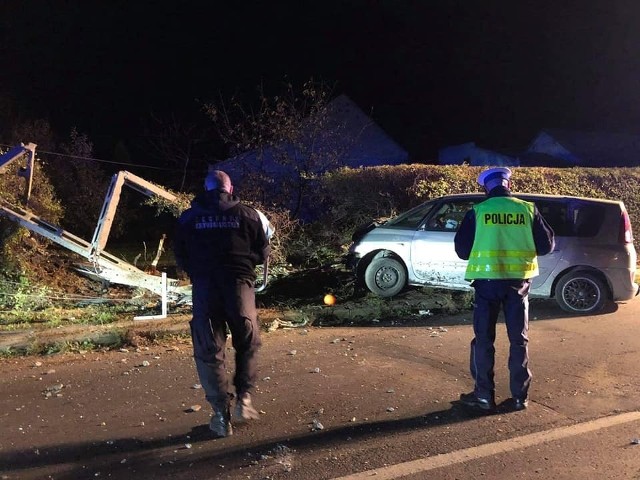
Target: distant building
<point x="352" y="137"/>
<point x="344" y="137"/>
<point x="554" y="148"/>
<point x="470" y="154"/>
<point x="569" y="148"/>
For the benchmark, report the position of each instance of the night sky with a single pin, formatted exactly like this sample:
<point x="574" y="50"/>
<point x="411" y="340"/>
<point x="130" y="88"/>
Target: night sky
<point x="431" y="73"/>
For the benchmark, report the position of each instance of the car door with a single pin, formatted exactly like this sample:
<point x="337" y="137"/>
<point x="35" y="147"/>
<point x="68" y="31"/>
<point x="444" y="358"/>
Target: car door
<point x="558" y="215"/>
<point x="433" y="257"/>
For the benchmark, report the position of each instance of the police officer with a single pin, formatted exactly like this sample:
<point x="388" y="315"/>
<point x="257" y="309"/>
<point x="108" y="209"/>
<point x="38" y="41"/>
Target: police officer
<point x="219" y="241"/>
<point x="501" y="237"/>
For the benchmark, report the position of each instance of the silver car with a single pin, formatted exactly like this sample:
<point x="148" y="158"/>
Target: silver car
<point x="594" y="260"/>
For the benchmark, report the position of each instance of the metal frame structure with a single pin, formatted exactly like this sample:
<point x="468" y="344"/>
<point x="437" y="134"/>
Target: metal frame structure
<point x="103" y="266"/>
<point x="16" y="153"/>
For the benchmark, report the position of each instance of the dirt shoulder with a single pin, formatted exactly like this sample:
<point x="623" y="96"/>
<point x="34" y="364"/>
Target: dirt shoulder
<point x="291" y="301"/>
<point x="414" y="307"/>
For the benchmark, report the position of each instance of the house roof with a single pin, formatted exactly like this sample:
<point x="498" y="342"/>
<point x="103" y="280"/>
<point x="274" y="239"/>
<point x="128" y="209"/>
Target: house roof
<point x="473" y="155"/>
<point x="590" y="149"/>
<point x="361" y="141"/>
<point x="539" y="159"/>
<point x="371" y="145"/>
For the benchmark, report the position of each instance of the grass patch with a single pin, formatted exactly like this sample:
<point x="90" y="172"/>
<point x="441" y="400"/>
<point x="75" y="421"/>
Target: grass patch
<point x="101" y="341"/>
<point x="69" y="346"/>
<point x="55" y="317"/>
<point x="38" y="348"/>
<point x="163" y="336"/>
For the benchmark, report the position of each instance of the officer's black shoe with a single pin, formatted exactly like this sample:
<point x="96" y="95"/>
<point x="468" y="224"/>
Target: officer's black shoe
<point x="520" y="404"/>
<point x="473" y="401"/>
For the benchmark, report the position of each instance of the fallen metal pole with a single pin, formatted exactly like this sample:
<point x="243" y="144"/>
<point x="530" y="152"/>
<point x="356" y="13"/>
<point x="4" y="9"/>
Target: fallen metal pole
<point x="164" y="303"/>
<point x="265" y="276"/>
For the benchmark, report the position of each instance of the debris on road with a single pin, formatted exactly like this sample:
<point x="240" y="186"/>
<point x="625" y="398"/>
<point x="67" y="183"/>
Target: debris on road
<point x="53" y="390"/>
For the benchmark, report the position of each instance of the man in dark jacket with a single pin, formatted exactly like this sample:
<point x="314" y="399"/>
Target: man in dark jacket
<point x="501" y="237"/>
<point x="219" y="241"/>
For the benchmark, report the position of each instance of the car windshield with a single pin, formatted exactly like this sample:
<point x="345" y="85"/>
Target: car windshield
<point x="449" y="215"/>
<point x="412" y="218"/>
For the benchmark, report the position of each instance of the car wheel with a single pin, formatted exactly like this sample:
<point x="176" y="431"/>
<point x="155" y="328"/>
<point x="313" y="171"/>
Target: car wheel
<point x="385" y="276"/>
<point x="581" y="292"/>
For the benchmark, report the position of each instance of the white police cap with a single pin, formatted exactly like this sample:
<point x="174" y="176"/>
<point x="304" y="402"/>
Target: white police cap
<point x="494" y="173"/>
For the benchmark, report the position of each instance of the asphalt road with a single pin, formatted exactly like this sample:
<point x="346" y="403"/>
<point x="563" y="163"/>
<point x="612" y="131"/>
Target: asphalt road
<point x="346" y="402"/>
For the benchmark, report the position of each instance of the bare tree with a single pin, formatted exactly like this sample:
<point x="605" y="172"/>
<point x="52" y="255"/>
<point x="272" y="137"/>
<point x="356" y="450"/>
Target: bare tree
<point x="174" y="143"/>
<point x="43" y="200"/>
<point x="295" y="130"/>
<point x="79" y="182"/>
<point x="38" y="131"/>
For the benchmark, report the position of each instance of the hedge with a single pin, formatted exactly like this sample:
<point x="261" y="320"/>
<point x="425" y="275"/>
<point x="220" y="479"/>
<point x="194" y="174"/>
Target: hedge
<point x="358" y="195"/>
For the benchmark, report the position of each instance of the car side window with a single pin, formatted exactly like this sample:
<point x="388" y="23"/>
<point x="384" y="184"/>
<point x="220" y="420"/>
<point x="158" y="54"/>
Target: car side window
<point x="573" y="219"/>
<point x="448" y="217"/>
<point x="587" y="220"/>
<point x="556" y="215"/>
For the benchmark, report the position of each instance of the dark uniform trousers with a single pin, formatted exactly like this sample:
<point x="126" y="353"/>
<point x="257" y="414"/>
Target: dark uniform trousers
<point x="513" y="297"/>
<point x="218" y="303"/>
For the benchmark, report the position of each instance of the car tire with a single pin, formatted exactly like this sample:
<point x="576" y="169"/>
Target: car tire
<point x="581" y="292"/>
<point x="385" y="276"/>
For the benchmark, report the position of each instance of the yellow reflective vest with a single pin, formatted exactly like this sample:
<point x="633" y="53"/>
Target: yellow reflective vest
<point x="503" y="247"/>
